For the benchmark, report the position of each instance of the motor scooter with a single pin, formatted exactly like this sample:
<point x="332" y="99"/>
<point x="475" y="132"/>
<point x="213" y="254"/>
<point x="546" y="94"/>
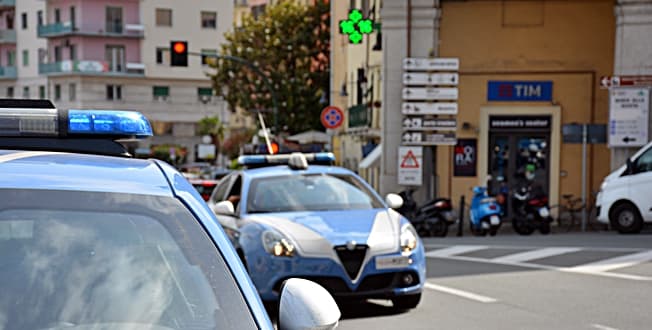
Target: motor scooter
<point x="531" y="211"/>
<point x="430" y="219"/>
<point x="484" y="214"/>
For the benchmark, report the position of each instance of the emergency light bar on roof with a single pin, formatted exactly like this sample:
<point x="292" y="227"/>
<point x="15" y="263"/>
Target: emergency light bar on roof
<point x="253" y="161"/>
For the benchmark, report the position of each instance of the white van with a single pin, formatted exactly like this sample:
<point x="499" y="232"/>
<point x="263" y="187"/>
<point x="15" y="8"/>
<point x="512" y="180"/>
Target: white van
<point x="625" y="198"/>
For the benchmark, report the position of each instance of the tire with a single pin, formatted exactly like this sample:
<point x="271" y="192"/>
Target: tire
<point x="545" y="228"/>
<point x="439" y="228"/>
<point x="521" y="227"/>
<point x="406" y="302"/>
<point x="626" y="219"/>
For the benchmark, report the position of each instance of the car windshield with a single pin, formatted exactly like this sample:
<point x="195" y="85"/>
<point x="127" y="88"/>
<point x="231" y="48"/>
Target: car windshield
<point x="80" y="260"/>
<point x="315" y="192"/>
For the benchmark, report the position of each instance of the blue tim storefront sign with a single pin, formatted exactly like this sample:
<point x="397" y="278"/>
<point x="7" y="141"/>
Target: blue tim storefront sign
<point x="519" y="91"/>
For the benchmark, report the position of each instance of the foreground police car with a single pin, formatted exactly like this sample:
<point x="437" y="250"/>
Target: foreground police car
<point x="93" y="241"/>
<point x="322" y="223"/>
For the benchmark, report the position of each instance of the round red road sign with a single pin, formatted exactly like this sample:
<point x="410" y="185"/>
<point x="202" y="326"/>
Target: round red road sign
<point x="332" y="117"/>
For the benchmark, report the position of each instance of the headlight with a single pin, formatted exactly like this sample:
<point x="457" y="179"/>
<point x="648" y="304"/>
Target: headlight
<point x="409" y="238"/>
<point x="277" y="244"/>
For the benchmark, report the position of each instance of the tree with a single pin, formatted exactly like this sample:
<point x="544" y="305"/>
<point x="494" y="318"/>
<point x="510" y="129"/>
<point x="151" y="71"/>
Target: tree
<point x="290" y="44"/>
<point x="213" y="127"/>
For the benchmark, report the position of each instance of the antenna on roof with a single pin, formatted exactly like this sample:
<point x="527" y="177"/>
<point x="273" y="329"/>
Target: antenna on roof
<point x="267" y="141"/>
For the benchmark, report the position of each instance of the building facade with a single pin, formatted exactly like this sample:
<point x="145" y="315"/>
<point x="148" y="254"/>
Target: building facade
<point x="527" y="69"/>
<point x="107" y="55"/>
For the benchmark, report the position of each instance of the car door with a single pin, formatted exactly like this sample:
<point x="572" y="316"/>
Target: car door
<point x="640" y="184"/>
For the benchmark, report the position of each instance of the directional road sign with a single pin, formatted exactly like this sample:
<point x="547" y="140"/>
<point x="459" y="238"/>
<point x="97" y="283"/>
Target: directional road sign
<point x="429" y="124"/>
<point x="628" y="117"/>
<point x="415" y="79"/>
<point x="431" y="64"/>
<point x="430" y="93"/>
<point x="617" y="81"/>
<point x="429" y="108"/>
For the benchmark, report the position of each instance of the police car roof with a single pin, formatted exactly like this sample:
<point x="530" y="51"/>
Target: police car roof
<point x="286" y="170"/>
<point x="80" y="172"/>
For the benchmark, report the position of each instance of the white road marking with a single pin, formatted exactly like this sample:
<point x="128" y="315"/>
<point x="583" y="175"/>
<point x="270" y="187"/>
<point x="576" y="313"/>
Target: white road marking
<point x="615" y="263"/>
<point x="460" y="293"/>
<point x="453" y="250"/>
<point x="602" y="327"/>
<point x="536" y="254"/>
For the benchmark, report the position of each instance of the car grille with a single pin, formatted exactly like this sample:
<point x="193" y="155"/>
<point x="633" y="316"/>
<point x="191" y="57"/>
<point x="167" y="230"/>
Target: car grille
<point x="351" y="259"/>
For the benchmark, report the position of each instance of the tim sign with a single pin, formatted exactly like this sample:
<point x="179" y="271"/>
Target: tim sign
<point x="519" y="91"/>
<point x="465" y="157"/>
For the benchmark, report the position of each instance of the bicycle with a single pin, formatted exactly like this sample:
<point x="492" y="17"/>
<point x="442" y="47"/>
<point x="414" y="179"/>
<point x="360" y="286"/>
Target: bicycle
<point x="570" y="212"/>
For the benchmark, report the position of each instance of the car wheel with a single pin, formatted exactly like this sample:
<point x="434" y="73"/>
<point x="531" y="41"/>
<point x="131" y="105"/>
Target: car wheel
<point x="406" y="302"/>
<point x="626" y="219"/>
<point x="439" y="228"/>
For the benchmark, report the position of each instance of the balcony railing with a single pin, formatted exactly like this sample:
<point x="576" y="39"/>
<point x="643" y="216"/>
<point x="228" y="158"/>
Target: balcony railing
<point x="112" y="29"/>
<point x="7" y="3"/>
<point x="8" y="72"/>
<point x="90" y="68"/>
<point x="7" y="36"/>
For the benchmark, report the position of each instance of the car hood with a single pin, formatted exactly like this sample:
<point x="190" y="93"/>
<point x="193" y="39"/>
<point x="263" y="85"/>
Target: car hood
<point x="316" y="233"/>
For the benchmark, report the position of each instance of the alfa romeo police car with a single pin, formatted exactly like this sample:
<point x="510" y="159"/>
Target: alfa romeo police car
<point x="322" y="223"/>
<point x="91" y="239"/>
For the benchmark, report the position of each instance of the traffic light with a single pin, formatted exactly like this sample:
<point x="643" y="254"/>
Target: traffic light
<point x="178" y="53"/>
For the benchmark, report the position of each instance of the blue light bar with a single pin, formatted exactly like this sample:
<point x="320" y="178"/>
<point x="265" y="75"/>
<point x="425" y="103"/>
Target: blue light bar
<point x="252" y="160"/>
<point x="322" y="157"/>
<point x="108" y="122"/>
<point x="283" y="159"/>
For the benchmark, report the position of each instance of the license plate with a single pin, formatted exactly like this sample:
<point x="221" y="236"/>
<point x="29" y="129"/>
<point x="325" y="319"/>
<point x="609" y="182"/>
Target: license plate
<point x="495" y="220"/>
<point x="543" y="212"/>
<point x="392" y="262"/>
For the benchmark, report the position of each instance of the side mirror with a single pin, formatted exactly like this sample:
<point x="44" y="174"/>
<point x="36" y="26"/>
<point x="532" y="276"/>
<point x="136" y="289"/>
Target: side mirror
<point x="224" y="208"/>
<point x="629" y="166"/>
<point x="394" y="201"/>
<point x="306" y="305"/>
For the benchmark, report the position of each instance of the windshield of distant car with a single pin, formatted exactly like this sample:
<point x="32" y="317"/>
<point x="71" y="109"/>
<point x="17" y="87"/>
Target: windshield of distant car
<point x="89" y="260"/>
<point x="316" y="192"/>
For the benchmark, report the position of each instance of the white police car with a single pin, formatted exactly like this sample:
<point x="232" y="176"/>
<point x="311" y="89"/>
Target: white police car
<point x="322" y="223"/>
<point x="91" y="239"/>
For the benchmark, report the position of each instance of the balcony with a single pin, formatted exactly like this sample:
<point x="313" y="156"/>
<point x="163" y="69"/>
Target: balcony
<point x="115" y="30"/>
<point x="101" y="68"/>
<point x="7" y="4"/>
<point x="7" y="36"/>
<point x="8" y="72"/>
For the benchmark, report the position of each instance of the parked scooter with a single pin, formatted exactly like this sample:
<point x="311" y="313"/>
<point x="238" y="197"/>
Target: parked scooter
<point x="429" y="219"/>
<point x="485" y="213"/>
<point x="531" y="211"/>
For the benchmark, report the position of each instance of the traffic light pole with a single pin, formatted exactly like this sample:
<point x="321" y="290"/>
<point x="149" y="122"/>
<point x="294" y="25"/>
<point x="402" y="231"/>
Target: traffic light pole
<point x="256" y="70"/>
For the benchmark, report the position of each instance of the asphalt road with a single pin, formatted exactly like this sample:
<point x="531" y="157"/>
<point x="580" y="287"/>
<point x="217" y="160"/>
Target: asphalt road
<point x="598" y="280"/>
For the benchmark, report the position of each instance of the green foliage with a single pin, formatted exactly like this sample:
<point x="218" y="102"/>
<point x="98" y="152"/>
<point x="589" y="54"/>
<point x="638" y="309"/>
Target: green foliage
<point x="231" y="146"/>
<point x="211" y="126"/>
<point x="162" y="152"/>
<point x="290" y="44"/>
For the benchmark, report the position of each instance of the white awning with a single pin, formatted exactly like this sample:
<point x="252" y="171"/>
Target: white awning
<point x="372" y="159"/>
<point x="310" y="137"/>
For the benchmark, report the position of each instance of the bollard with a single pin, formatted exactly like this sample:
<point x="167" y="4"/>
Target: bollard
<point x="460" y="221"/>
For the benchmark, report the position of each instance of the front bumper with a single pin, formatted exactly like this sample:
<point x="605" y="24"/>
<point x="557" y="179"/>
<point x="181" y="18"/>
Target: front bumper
<point x="268" y="273"/>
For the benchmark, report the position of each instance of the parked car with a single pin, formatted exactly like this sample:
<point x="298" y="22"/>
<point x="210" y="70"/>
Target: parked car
<point x="624" y="199"/>
<point x="91" y="239"/>
<point x="203" y="186"/>
<point x="322" y="223"/>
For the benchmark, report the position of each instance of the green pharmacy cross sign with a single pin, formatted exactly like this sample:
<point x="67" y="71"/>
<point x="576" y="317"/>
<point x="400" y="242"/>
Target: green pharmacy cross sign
<point x="356" y="26"/>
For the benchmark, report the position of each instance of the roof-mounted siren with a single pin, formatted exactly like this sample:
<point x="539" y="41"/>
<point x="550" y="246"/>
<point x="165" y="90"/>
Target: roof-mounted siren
<point x="298" y="161"/>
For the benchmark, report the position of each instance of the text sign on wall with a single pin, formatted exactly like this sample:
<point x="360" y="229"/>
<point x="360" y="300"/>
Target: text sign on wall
<point x="519" y="122"/>
<point x="410" y="165"/>
<point x="465" y="157"/>
<point x="519" y="91"/>
<point x="628" y="117"/>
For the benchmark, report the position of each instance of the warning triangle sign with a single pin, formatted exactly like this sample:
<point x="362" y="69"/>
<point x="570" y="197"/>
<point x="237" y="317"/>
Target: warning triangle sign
<point x="409" y="161"/>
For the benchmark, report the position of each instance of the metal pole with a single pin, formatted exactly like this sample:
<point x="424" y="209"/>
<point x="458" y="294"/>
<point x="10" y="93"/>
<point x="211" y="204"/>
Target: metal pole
<point x="584" y="141"/>
<point x="460" y="220"/>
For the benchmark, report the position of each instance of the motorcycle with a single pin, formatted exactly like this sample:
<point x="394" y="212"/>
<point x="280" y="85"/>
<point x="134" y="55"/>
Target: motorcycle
<point x="484" y="214"/>
<point x="531" y="211"/>
<point x="429" y="219"/>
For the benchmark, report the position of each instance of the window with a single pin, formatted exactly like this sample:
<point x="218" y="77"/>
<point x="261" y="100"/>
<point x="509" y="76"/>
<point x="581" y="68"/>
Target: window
<point x="72" y="92"/>
<point x="209" y="20"/>
<point x="41" y="92"/>
<point x="115" y="55"/>
<point x="644" y="162"/>
<point x="23" y="20"/>
<point x="58" y="55"/>
<point x="113" y="92"/>
<point x="25" y="57"/>
<point x="11" y="58"/>
<point x="204" y="94"/>
<point x="26" y="92"/>
<point x="42" y="55"/>
<point x="73" y="18"/>
<point x="73" y="52"/>
<point x="161" y="92"/>
<point x="207" y="54"/>
<point x="57" y="15"/>
<point x="114" y="19"/>
<point x="163" y="17"/>
<point x="39" y="18"/>
<point x="10" y="92"/>
<point x="57" y="92"/>
<point x="161" y="57"/>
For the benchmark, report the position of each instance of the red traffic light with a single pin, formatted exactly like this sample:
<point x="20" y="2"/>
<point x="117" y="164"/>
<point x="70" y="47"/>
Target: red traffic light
<point x="179" y="47"/>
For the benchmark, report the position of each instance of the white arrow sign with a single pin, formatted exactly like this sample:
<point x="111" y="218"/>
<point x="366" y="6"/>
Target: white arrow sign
<point x="413" y="79"/>
<point x="430" y="93"/>
<point x="426" y="108"/>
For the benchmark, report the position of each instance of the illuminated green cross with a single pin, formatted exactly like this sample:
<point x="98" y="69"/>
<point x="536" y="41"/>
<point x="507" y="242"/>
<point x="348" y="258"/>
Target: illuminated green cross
<point x="356" y="26"/>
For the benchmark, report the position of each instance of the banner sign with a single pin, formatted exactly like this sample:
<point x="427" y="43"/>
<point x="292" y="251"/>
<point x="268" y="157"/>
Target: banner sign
<point x="465" y="157"/>
<point x="519" y="91"/>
